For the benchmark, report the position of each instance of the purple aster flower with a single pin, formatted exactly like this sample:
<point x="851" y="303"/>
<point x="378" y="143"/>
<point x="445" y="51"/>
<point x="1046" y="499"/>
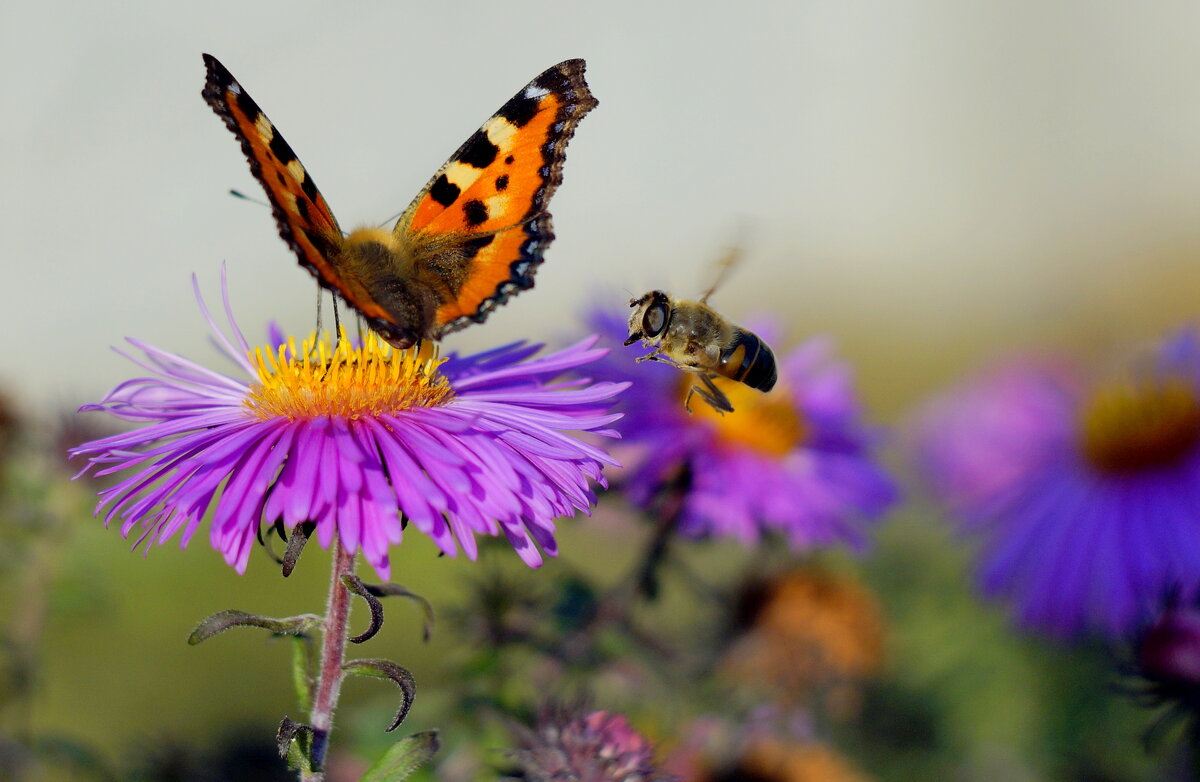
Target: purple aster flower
<point x="1087" y="499"/>
<point x="597" y="746"/>
<point x="796" y="460"/>
<point x="353" y="438"/>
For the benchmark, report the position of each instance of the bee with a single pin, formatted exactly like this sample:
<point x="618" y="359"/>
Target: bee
<point x="695" y="338"/>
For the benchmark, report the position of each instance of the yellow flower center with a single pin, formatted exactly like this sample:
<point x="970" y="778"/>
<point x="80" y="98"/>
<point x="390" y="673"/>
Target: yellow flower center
<point x="322" y="379"/>
<point x="1133" y="426"/>
<point x="768" y="422"/>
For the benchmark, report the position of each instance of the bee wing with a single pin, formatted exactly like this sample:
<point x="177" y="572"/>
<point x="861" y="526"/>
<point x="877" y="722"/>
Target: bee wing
<point x="731" y="258"/>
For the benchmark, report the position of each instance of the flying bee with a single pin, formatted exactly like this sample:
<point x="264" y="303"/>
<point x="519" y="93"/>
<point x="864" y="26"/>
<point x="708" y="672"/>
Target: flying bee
<point x="695" y="338"/>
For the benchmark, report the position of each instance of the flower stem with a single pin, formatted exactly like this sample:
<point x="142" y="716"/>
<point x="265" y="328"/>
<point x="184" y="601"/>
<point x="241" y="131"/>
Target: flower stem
<point x="333" y="651"/>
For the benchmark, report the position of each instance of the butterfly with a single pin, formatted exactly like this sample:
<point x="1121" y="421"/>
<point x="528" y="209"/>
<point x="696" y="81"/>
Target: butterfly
<point x="472" y="237"/>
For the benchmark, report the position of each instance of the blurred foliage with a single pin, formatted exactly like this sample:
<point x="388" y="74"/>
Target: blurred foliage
<point x="97" y="681"/>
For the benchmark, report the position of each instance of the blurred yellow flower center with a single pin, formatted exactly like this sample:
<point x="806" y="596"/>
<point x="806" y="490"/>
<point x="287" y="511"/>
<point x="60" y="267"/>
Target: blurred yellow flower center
<point x="322" y="379"/>
<point x="768" y="423"/>
<point x="1131" y="426"/>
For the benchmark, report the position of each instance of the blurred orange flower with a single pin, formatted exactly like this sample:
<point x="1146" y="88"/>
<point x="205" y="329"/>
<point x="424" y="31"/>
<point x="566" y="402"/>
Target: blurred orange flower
<point x="808" y="631"/>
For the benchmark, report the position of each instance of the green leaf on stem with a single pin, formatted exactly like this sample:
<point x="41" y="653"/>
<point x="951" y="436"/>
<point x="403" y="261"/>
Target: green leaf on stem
<point x="404" y="757"/>
<point x="386" y="669"/>
<point x="302" y="671"/>
<point x="224" y="620"/>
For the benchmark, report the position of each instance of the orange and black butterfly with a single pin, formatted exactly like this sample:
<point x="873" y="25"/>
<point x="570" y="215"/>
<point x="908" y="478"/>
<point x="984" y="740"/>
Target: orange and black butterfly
<point x="472" y="237"/>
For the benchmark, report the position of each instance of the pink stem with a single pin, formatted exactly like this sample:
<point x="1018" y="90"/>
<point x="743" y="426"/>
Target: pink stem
<point x="333" y="652"/>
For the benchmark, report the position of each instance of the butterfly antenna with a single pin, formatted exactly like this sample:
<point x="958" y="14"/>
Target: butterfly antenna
<point x="390" y="219"/>
<point x="244" y="197"/>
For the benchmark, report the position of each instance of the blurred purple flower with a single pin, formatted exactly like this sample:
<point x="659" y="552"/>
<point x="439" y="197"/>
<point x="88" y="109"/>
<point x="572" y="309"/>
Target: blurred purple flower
<point x="1168" y="650"/>
<point x="598" y="746"/>
<point x="796" y="460"/>
<point x="1087" y="500"/>
<point x="351" y="437"/>
<point x="1164" y="670"/>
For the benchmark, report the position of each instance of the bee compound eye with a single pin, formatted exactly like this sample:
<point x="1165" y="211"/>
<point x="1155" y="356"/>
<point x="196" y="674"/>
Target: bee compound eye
<point x="655" y="320"/>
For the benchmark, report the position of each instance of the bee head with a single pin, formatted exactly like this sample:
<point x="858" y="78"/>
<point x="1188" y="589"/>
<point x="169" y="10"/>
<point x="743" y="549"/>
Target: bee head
<point x="651" y="314"/>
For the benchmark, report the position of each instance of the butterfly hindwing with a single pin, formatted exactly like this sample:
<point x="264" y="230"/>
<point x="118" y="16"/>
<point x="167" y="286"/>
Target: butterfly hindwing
<point x="487" y="204"/>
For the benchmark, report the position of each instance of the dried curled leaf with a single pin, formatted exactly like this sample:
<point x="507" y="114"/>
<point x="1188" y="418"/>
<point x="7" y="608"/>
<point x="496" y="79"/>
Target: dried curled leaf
<point x="294" y="740"/>
<point x="295" y="546"/>
<point x="386" y="669"/>
<point x="356" y="585"/>
<point x="395" y="590"/>
<point x="224" y="620"/>
<point x="369" y="593"/>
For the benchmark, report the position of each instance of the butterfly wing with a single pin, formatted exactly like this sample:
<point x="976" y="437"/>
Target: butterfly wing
<point x="305" y="222"/>
<point x="478" y="229"/>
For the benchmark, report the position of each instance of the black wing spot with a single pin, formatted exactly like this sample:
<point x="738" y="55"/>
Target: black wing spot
<point x="309" y="188"/>
<point x="502" y="183"/>
<point x="280" y="149"/>
<point x="302" y="210"/>
<point x="519" y="110"/>
<point x="282" y="179"/>
<point x="509" y="160"/>
<point x="472" y="247"/>
<point x="476" y="212"/>
<point x="479" y="151"/>
<point x="444" y="191"/>
<point x="245" y="103"/>
<point x="553" y="80"/>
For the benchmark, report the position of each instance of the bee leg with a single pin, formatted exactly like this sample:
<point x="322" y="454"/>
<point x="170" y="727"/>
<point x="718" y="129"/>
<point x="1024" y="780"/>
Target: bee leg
<point x="714" y="396"/>
<point x="654" y="355"/>
<point x="663" y="360"/>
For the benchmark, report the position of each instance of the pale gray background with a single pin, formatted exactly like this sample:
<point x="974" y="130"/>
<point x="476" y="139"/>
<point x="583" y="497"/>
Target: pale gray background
<point x="929" y="181"/>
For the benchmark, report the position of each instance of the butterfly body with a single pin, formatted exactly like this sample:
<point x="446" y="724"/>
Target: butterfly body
<point x="472" y="237"/>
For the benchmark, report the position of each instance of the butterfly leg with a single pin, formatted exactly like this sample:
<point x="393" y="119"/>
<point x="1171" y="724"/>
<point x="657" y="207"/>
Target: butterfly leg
<point x="714" y="396"/>
<point x="320" y="300"/>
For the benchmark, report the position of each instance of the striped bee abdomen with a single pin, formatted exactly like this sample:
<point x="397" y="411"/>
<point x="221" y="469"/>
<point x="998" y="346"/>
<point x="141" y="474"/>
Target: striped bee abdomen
<point x="747" y="359"/>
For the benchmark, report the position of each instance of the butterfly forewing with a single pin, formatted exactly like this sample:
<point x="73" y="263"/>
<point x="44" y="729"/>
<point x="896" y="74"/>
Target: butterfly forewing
<point x="305" y="221"/>
<point x="493" y="193"/>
